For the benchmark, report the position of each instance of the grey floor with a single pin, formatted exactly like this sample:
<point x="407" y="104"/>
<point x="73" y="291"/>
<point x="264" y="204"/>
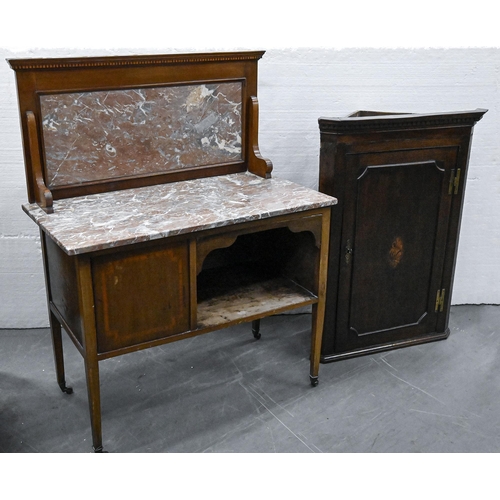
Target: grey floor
<point x="226" y="392"/>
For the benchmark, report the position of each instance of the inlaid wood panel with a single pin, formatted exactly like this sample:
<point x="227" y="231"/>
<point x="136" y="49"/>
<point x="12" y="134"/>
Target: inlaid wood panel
<point x="395" y="212"/>
<point x="394" y="245"/>
<point x="141" y="295"/>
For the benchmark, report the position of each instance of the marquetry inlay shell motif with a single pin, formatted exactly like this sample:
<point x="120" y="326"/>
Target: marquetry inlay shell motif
<point x="91" y="136"/>
<point x="396" y="252"/>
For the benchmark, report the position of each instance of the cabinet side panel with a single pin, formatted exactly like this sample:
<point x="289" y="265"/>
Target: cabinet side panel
<point x="332" y="181"/>
<point x="454" y="228"/>
<point x="141" y="295"/>
<point x="63" y="285"/>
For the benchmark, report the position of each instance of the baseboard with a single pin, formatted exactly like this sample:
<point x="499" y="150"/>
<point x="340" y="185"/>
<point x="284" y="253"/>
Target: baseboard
<point x="328" y="358"/>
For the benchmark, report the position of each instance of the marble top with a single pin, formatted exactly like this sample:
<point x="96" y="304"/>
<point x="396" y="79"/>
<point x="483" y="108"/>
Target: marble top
<point x="96" y="222"/>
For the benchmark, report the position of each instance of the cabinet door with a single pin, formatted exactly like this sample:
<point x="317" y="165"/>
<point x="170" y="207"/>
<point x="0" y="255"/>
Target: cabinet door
<point x="141" y="295"/>
<point x="395" y="223"/>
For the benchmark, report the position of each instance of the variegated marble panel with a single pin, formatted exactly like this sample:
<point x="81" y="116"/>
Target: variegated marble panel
<point x="90" y="136"/>
<point x="116" y="218"/>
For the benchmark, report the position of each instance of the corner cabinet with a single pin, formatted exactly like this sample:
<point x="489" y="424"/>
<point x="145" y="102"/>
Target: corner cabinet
<point x="400" y="182"/>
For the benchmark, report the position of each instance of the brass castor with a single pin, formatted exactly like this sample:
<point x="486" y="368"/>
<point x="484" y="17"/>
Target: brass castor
<point x="66" y="390"/>
<point x="256" y="329"/>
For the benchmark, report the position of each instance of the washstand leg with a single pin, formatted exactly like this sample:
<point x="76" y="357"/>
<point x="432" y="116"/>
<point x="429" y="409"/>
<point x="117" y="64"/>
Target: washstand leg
<point x="86" y="299"/>
<point x="317" y="330"/>
<point x="256" y="328"/>
<point x="94" y="397"/>
<point x="55" y="329"/>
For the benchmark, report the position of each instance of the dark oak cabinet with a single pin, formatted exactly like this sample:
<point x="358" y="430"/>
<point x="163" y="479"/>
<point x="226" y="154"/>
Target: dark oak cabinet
<point x="400" y="181"/>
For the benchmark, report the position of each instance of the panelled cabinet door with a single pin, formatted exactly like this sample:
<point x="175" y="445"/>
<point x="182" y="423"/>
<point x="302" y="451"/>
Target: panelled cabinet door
<point x="395" y="226"/>
<point x="141" y="294"/>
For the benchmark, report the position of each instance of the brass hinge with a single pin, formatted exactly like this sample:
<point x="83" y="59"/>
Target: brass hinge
<point x="454" y="182"/>
<point x="440" y="300"/>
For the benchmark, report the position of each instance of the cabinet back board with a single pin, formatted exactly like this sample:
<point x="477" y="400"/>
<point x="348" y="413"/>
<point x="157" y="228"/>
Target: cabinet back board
<point x="93" y="125"/>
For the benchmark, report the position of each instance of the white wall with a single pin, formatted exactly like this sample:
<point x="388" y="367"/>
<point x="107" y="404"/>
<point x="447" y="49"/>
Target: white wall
<point x="296" y="86"/>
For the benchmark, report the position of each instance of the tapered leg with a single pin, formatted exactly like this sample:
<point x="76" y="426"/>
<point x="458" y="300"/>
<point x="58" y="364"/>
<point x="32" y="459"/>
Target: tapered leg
<point x="86" y="299"/>
<point x="317" y="332"/>
<point x="256" y="328"/>
<point x="94" y="396"/>
<point x="55" y="328"/>
<point x="318" y="309"/>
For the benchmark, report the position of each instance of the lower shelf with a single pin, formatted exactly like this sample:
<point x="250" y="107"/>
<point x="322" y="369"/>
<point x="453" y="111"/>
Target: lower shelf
<point x="250" y="299"/>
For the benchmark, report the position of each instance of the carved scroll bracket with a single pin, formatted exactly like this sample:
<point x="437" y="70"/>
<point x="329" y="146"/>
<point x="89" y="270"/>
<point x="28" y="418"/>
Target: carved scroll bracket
<point x="256" y="163"/>
<point x="43" y="195"/>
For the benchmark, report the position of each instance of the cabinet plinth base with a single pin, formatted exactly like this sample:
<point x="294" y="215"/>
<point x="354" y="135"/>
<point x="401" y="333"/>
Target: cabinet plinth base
<point x="329" y="358"/>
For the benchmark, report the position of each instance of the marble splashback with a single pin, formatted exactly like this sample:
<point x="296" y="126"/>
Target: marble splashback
<point x="99" y="221"/>
<point x="91" y="136"/>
